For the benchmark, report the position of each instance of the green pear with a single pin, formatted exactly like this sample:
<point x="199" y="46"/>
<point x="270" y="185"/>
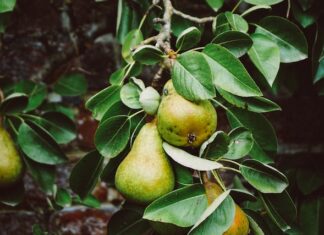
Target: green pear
<point x="11" y="165"/>
<point x="182" y="122"/>
<point x="146" y="173"/>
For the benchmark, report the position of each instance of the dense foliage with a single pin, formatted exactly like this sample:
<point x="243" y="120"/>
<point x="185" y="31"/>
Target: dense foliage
<point x="233" y="58"/>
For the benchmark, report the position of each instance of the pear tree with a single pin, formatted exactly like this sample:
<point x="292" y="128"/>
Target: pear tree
<point x="220" y="63"/>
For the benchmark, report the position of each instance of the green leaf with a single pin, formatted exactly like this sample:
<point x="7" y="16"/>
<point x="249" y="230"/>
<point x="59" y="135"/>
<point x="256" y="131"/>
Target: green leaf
<point x="241" y="195"/>
<point x="132" y="39"/>
<point x="127" y="221"/>
<point x="221" y="24"/>
<point x="253" y="104"/>
<point x="85" y="174"/>
<point x="148" y="55"/>
<point x="38" y="144"/>
<point x="37" y="230"/>
<point x="103" y="100"/>
<point x="290" y="39"/>
<point x="192" y="78"/>
<point x="61" y="128"/>
<point x="215" y="4"/>
<point x="117" y="109"/>
<point x="88" y="201"/>
<point x="265" y="55"/>
<point x="263" y="2"/>
<point x="255" y="8"/>
<point x="63" y="197"/>
<point x="112" y="136"/>
<point x="280" y="208"/>
<point x="237" y="22"/>
<point x="261" y="128"/>
<point x="117" y="76"/>
<point x="257" y="222"/>
<point x="255" y="228"/>
<point x="229" y="73"/>
<point x="14" y="103"/>
<point x="318" y="53"/>
<point x="7" y="5"/>
<point x="181" y="207"/>
<point x="183" y="175"/>
<point x="263" y="177"/>
<point x="215" y="147"/>
<point x="189" y="38"/>
<point x="130" y="94"/>
<point x="74" y="84"/>
<point x="259" y="154"/>
<point x="127" y="19"/>
<point x="179" y="24"/>
<point x="236" y="42"/>
<point x="43" y="174"/>
<point x="312" y="216"/>
<point x="304" y="18"/>
<point x="36" y="93"/>
<point x="13" y="195"/>
<point x="217" y="218"/>
<point x="241" y="143"/>
<point x="186" y="159"/>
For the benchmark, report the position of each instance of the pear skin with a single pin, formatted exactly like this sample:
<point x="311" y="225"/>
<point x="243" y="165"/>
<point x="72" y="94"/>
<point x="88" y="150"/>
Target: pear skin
<point x="146" y="173"/>
<point x="182" y="122"/>
<point x="11" y="166"/>
<point x="240" y="225"/>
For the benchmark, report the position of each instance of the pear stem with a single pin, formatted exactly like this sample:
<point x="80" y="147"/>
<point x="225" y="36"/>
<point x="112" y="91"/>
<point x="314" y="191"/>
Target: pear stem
<point x="218" y="180"/>
<point x="230" y="161"/>
<point x="231" y="169"/>
<point x="134" y="114"/>
<point x="220" y="104"/>
<point x="204" y="177"/>
<point x="12" y="126"/>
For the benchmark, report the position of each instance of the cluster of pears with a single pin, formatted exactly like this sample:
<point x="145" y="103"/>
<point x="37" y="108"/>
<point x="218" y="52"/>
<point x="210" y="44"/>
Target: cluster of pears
<point x="146" y="173"/>
<point x="11" y="165"/>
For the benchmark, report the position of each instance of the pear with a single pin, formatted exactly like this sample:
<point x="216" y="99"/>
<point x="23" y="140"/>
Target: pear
<point x="11" y="165"/>
<point x="146" y="173"/>
<point x="184" y="123"/>
<point x="240" y="225"/>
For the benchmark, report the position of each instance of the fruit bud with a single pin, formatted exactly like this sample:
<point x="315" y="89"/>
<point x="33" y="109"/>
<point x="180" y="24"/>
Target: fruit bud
<point x="150" y="100"/>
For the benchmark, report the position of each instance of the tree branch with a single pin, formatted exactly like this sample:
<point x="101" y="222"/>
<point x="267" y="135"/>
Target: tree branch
<point x="164" y="36"/>
<point x="192" y="18"/>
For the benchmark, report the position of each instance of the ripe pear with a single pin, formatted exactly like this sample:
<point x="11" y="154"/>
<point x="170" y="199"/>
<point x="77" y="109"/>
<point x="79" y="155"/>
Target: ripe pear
<point x="11" y="165"/>
<point x="240" y="225"/>
<point x="182" y="122"/>
<point x="146" y="173"/>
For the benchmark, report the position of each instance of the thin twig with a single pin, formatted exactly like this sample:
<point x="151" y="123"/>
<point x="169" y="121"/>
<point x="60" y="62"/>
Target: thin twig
<point x="165" y="33"/>
<point x="1" y="95"/>
<point x="218" y="180"/>
<point x="236" y="6"/>
<point x="150" y="40"/>
<point x="192" y="18"/>
<point x="288" y="9"/>
<point x="157" y="77"/>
